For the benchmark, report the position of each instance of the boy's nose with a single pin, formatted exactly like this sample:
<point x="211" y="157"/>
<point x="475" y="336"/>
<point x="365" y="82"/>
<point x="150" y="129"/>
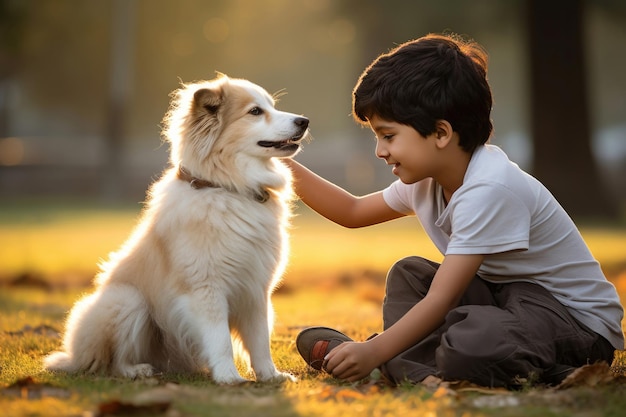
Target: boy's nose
<point x="381" y="152"/>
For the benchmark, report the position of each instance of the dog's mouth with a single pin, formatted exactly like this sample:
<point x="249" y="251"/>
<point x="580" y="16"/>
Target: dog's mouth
<point x="287" y="144"/>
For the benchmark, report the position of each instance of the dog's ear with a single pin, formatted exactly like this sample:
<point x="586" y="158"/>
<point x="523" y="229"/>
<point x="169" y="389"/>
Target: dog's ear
<point x="208" y="99"/>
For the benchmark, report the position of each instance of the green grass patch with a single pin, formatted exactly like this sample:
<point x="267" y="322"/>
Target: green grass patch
<point x="30" y="320"/>
<point x="335" y="278"/>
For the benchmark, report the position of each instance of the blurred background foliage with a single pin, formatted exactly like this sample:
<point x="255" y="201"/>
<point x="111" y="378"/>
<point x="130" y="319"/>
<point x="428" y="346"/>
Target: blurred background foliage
<point x="84" y="85"/>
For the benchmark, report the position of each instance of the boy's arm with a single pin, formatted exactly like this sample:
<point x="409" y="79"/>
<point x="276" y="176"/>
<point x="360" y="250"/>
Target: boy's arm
<point x="353" y="361"/>
<point x="335" y="203"/>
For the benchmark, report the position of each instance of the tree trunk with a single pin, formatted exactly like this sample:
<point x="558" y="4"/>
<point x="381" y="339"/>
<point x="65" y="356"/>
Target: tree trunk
<point x="560" y="130"/>
<point x="120" y="85"/>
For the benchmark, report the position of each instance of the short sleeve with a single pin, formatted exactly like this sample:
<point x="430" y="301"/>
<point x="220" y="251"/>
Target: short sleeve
<point x="398" y="196"/>
<point x="486" y="218"/>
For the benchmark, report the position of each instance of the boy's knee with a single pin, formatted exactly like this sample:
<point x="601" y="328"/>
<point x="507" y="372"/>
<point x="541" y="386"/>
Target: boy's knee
<point x="412" y="267"/>
<point x="409" y="277"/>
<point x="408" y="282"/>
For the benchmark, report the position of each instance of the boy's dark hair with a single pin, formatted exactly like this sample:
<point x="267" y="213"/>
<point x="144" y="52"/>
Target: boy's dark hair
<point x="432" y="78"/>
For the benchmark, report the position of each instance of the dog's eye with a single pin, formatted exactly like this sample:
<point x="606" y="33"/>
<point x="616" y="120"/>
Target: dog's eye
<point x="256" y="111"/>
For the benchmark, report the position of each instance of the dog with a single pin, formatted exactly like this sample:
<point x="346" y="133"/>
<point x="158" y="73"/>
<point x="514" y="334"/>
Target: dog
<point x="198" y="271"/>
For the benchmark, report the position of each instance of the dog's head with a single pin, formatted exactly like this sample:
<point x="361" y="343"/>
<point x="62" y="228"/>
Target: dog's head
<point x="228" y="118"/>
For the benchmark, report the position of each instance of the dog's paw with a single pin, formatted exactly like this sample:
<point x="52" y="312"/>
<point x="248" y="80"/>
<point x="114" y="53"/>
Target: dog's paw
<point x="229" y="380"/>
<point x="142" y="370"/>
<point x="226" y="374"/>
<point x="277" y="377"/>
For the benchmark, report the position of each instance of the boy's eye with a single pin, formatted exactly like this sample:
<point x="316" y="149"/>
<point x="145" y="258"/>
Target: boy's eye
<point x="256" y="111"/>
<point x="383" y="137"/>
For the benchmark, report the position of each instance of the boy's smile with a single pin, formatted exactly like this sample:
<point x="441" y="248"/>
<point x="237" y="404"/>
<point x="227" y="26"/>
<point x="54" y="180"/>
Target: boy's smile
<point x="408" y="152"/>
<point x="415" y="157"/>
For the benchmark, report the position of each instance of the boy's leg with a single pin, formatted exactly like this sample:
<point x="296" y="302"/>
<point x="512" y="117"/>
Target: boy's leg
<point x="408" y="282"/>
<point x="528" y="332"/>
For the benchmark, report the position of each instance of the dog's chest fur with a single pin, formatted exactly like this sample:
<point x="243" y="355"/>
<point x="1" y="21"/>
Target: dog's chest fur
<point x="214" y="232"/>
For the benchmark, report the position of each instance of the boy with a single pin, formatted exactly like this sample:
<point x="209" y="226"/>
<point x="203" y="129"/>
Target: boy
<point x="518" y="294"/>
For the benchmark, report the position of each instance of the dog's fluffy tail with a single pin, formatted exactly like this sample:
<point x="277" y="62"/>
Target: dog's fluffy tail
<point x="106" y="331"/>
<point x="84" y="347"/>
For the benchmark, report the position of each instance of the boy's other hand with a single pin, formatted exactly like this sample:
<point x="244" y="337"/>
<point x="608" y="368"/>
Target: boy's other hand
<point x="351" y="361"/>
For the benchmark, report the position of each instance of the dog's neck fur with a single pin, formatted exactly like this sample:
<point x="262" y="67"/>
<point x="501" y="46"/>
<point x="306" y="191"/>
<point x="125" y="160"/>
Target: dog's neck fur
<point x="261" y="195"/>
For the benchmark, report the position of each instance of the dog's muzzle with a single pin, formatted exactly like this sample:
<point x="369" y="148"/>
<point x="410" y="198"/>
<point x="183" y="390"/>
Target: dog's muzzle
<point x="293" y="142"/>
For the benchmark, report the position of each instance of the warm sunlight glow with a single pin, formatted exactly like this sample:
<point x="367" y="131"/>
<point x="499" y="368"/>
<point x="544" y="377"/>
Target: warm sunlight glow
<point x="216" y="30"/>
<point x="342" y="31"/>
<point x="183" y="44"/>
<point x="332" y="36"/>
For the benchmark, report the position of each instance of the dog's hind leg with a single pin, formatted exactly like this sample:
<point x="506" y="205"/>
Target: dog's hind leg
<point x="135" y="333"/>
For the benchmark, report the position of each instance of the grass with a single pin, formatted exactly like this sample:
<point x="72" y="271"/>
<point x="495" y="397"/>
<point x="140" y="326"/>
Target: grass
<point x="62" y="245"/>
<point x="66" y="242"/>
<point x="35" y="309"/>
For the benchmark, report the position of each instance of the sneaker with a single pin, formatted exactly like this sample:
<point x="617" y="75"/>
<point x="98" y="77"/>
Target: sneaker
<point x="314" y="344"/>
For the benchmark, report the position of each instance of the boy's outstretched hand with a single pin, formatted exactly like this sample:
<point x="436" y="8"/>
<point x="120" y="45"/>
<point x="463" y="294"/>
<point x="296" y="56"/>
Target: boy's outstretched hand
<point x="351" y="361"/>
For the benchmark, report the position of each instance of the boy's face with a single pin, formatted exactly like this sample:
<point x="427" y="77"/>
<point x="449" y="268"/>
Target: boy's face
<point x="412" y="155"/>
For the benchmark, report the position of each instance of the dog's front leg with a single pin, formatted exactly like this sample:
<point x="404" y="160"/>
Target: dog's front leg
<point x="218" y="352"/>
<point x="255" y="334"/>
<point x="216" y="349"/>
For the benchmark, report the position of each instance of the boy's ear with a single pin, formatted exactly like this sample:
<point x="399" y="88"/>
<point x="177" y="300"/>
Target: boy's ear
<point x="443" y="133"/>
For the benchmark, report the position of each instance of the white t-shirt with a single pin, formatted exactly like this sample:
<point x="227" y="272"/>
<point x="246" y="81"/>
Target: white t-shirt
<point x="507" y="215"/>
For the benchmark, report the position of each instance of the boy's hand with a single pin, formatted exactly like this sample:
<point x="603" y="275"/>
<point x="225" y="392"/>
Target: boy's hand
<point x="351" y="361"/>
<point x="355" y="360"/>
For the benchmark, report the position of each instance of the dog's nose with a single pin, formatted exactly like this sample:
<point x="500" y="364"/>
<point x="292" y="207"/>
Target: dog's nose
<point x="302" y="122"/>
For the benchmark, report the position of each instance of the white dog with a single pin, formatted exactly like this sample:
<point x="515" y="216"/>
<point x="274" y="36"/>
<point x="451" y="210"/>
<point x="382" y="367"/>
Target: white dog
<point x="208" y="251"/>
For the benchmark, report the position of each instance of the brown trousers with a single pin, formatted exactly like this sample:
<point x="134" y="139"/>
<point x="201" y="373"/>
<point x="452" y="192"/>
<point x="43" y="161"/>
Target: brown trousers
<point x="498" y="334"/>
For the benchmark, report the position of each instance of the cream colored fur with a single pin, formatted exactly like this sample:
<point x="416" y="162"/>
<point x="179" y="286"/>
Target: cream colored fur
<point x="201" y="264"/>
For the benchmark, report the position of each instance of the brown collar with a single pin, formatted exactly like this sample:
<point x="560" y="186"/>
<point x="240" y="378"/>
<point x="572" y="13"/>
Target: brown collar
<point x="198" y="183"/>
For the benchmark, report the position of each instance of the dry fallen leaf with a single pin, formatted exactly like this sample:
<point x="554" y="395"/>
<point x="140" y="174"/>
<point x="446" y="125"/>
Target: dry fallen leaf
<point x="164" y="394"/>
<point x="119" y="408"/>
<point x="444" y="391"/>
<point x="588" y="375"/>
<point x="28" y="388"/>
<point x="348" y="394"/>
<point x="453" y="387"/>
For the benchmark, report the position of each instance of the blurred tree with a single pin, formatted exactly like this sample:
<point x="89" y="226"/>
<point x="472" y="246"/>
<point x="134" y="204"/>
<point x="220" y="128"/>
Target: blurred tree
<point x="560" y="122"/>
<point x="12" y="15"/>
<point x="120" y="86"/>
<point x="63" y="73"/>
